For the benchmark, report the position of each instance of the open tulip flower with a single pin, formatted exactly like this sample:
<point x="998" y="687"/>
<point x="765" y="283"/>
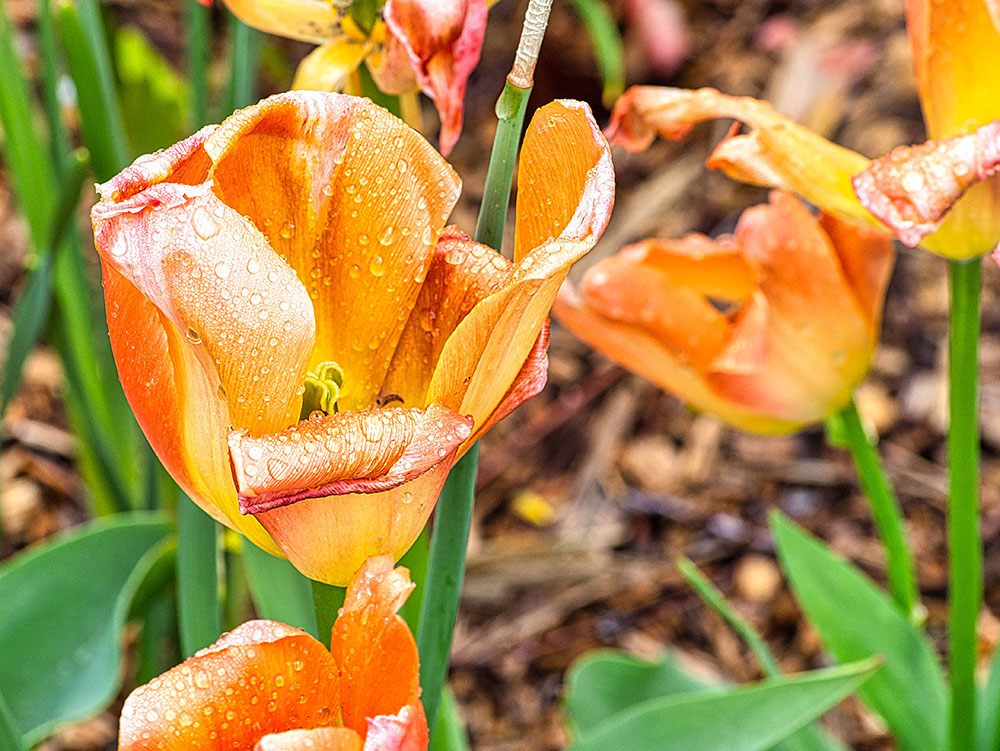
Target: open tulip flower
<point x="305" y="345"/>
<point x="942" y="194"/>
<point x="430" y="45"/>
<point x="270" y="687"/>
<point x="770" y="329"/>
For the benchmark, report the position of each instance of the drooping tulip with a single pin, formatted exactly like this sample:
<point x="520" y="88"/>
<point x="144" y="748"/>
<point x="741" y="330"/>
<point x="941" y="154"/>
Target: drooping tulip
<point x="270" y="687"/>
<point x="770" y="329"/>
<point x="942" y="194"/>
<point x="430" y="45"/>
<point x="305" y="345"/>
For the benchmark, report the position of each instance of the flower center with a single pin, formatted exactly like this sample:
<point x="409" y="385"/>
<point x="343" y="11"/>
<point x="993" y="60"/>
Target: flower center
<point x="321" y="390"/>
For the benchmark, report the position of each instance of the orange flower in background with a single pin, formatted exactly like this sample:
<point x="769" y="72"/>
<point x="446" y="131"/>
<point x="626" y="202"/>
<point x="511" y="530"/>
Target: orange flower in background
<point x="942" y="194"/>
<point x="305" y="345"/>
<point x="426" y="45"/>
<point x="270" y="687"/>
<point x="770" y="329"/>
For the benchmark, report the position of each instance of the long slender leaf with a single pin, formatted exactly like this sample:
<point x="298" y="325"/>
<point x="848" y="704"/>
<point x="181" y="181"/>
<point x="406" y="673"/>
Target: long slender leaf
<point x="988" y="718"/>
<point x="450" y="733"/>
<point x="59" y="146"/>
<point x="64" y="608"/>
<point x="608" y="46"/>
<point x="243" y="54"/>
<point x="278" y="590"/>
<point x="10" y="735"/>
<point x="856" y="620"/>
<point x="751" y="718"/>
<point x="199" y="617"/>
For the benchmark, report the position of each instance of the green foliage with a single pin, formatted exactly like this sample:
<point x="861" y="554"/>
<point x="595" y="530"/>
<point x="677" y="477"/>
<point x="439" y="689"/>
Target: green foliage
<point x="608" y="47"/>
<point x="750" y="718"/>
<point x="64" y="607"/>
<point x="856" y="620"/>
<point x="153" y="97"/>
<point x="278" y="590"/>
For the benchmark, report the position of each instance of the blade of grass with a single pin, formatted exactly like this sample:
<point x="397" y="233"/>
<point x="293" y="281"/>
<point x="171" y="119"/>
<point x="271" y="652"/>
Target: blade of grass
<point x="59" y="146"/>
<point x="243" y="51"/>
<point x="197" y="50"/>
<point x="608" y="47"/>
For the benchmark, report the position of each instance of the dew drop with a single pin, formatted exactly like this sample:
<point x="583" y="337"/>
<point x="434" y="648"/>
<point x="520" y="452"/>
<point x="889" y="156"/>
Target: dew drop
<point x="222" y="270"/>
<point x="204" y="225"/>
<point x="354" y="271"/>
<point x="192" y="336"/>
<point x="252" y="266"/>
<point x="377" y="265"/>
<point x="287" y="230"/>
<point x="386" y="237"/>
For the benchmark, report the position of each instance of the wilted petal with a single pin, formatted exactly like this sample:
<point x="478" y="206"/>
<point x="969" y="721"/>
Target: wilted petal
<point x="315" y="21"/>
<point x="954" y="45"/>
<point x="318" y="739"/>
<point x="328" y="67"/>
<point x="913" y="187"/>
<point x="443" y="40"/>
<point x="353" y="200"/>
<point x="205" y="701"/>
<point x="346" y="452"/>
<point x="777" y="152"/>
<point x="406" y="731"/>
<point x="374" y="647"/>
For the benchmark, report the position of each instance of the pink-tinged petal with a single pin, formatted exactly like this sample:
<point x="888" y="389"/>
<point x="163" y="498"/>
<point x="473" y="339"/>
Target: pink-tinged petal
<point x="555" y="227"/>
<point x="315" y="21"/>
<point x="353" y="200"/>
<point x="443" y="40"/>
<point x="317" y="739"/>
<point x="328" y="67"/>
<point x="328" y="539"/>
<point x="913" y="188"/>
<point x="462" y="273"/>
<point x="777" y="152"/>
<point x="374" y="648"/>
<point x="346" y="452"/>
<point x="249" y="684"/>
<point x="406" y="731"/>
<point x="954" y="43"/>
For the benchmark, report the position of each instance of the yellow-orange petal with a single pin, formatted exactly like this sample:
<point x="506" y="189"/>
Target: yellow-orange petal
<point x="328" y="67"/>
<point x="316" y="739"/>
<point x="485" y="353"/>
<point x="462" y="273"/>
<point x="443" y="40"/>
<point x="353" y="200"/>
<point x="315" y="21"/>
<point x="777" y="152"/>
<point x="565" y="180"/>
<point x="643" y="353"/>
<point x="954" y="45"/>
<point x="230" y="695"/>
<point x="914" y="187"/>
<point x="374" y="648"/>
<point x="346" y="452"/>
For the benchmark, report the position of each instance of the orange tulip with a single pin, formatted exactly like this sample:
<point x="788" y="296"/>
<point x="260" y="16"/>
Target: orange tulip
<point x="270" y="687"/>
<point x="430" y="45"/>
<point x="912" y="190"/>
<point x="306" y="348"/>
<point x="770" y="329"/>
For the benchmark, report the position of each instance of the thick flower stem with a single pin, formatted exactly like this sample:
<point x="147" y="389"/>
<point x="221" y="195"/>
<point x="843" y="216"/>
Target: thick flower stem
<point x="445" y="571"/>
<point x="328" y="600"/>
<point x="885" y="509"/>
<point x="964" y="544"/>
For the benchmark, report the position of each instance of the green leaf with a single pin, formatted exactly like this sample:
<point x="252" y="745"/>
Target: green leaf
<point x="450" y="732"/>
<point x="608" y="47"/>
<point x="856" y="620"/>
<point x="10" y="735"/>
<point x="153" y="97"/>
<point x="279" y="591"/>
<point x="199" y="615"/>
<point x="64" y="608"/>
<point x="988" y="704"/>
<point x="750" y="718"/>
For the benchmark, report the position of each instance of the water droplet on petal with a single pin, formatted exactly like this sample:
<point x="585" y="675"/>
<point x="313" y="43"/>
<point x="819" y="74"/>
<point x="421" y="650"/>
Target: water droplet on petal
<point x="204" y="225"/>
<point x="222" y="270"/>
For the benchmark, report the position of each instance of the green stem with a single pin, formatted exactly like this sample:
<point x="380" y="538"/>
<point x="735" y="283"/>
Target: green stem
<point x="198" y="612"/>
<point x="445" y="571"/>
<point x="196" y="52"/>
<point x="511" y="108"/>
<point x="964" y="544"/>
<point x="243" y="54"/>
<point x="327" y="600"/>
<point x="415" y="560"/>
<point x="371" y="90"/>
<point x="885" y="509"/>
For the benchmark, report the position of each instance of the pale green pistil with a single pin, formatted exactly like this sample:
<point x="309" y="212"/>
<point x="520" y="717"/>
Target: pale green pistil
<point x="321" y="390"/>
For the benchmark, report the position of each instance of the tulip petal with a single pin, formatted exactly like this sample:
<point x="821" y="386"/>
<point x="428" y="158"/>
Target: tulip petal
<point x="216" y="292"/>
<point x="913" y="187"/>
<point x="565" y="183"/>
<point x="406" y="731"/>
<point x="443" y="40"/>
<point x="317" y="739"/>
<point x="374" y="647"/>
<point x="208" y="701"/>
<point x="353" y="200"/>
<point x="953" y="44"/>
<point x="777" y="152"/>
<point x="315" y="21"/>
<point x="328" y="67"/>
<point x="462" y="273"/>
<point x="485" y="353"/>
<point x="346" y="452"/>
